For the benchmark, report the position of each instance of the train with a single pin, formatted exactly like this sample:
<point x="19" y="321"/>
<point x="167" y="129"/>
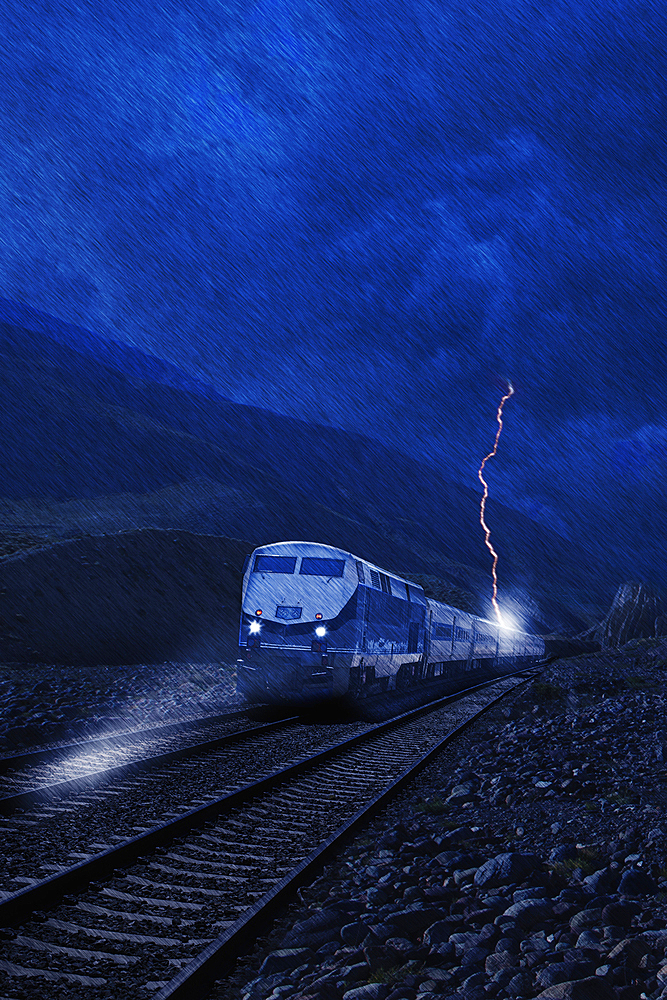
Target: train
<point x="319" y="623"/>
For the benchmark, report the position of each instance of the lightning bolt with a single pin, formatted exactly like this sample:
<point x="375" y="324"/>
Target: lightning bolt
<point x="487" y="530"/>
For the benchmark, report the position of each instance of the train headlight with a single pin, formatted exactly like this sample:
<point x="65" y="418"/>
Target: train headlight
<point x="318" y="615"/>
<point x="259" y="611"/>
<point x="320" y="631"/>
<point x="254" y="627"/>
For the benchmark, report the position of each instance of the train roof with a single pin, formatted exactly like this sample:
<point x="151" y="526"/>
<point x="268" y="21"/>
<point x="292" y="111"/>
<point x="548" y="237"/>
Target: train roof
<point x="297" y="547"/>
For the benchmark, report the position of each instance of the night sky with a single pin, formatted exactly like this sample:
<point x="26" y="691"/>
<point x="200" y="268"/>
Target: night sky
<point x="370" y="215"/>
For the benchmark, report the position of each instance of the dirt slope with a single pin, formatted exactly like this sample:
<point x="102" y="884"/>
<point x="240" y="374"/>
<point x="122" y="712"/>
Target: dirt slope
<point x="132" y="597"/>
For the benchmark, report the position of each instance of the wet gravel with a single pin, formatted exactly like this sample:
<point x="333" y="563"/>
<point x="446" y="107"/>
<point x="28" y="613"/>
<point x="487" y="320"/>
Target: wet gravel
<point x="42" y="839"/>
<point x="48" y="704"/>
<point x="530" y="861"/>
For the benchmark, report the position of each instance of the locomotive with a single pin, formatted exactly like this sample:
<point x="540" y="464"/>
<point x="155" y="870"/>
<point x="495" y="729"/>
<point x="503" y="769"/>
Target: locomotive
<point x="320" y="623"/>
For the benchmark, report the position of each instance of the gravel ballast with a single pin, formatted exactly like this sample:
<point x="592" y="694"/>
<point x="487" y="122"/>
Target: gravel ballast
<point x="529" y="861"/>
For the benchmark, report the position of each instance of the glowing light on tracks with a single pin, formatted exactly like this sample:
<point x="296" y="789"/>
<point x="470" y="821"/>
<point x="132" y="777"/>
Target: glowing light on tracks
<point x="482" y="510"/>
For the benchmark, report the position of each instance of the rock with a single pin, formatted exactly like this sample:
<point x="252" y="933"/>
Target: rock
<point x="354" y="933"/>
<point x="372" y="991"/>
<point x="637" y="883"/>
<point x="601" y="880"/>
<point x="632" y="615"/>
<point x="629" y="951"/>
<point x="459" y="835"/>
<point x="438" y="933"/>
<point x="631" y="992"/>
<point x="463" y="876"/>
<point x="589" y="939"/>
<point x="353" y="973"/>
<point x="437" y="975"/>
<point x="619" y="914"/>
<point x="447" y="859"/>
<point x="584" y="919"/>
<point x="529" y="912"/>
<point x="593" y="988"/>
<point x="412" y="921"/>
<point x="402" y="993"/>
<point x="505" y="869"/>
<point x="521" y="894"/>
<point x="520" y="985"/>
<point x="500" y="960"/>
<point x="394" y="837"/>
<point x="464" y="940"/>
<point x="462" y="793"/>
<point x="285" y="960"/>
<point x="478" y="979"/>
<point x="442" y="954"/>
<point x="400" y="944"/>
<point x="314" y="939"/>
<point x="475" y="956"/>
<point x="563" y="972"/>
<point x="380" y="932"/>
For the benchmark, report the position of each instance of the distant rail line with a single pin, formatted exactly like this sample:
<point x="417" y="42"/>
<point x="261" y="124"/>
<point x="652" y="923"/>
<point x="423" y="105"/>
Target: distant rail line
<point x="170" y="909"/>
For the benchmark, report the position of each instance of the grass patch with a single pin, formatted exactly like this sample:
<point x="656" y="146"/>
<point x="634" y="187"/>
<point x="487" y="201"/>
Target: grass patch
<point x="543" y="691"/>
<point x="450" y="824"/>
<point x="387" y="976"/>
<point x="635" y="683"/>
<point x="620" y="799"/>
<point x="435" y="806"/>
<point x="392" y="974"/>
<point x="588" y="860"/>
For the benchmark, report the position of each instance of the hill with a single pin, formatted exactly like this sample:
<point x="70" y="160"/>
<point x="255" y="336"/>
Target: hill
<point x="89" y="449"/>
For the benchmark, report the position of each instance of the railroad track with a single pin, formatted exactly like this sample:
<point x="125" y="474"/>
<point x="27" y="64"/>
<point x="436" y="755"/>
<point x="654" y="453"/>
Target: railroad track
<point x="95" y="762"/>
<point x="44" y="828"/>
<point x="126" y="737"/>
<point x="167" y="912"/>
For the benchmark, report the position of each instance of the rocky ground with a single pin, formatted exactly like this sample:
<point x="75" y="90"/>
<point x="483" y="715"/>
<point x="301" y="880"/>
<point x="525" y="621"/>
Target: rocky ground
<point x="44" y="703"/>
<point x="530" y="861"/>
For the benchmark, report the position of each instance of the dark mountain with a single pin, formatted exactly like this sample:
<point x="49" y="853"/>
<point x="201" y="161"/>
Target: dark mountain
<point x="90" y="448"/>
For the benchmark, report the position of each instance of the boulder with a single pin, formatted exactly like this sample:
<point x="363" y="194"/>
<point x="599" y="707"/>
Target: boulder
<point x="637" y="883"/>
<point x="632" y="615"/>
<point x="285" y="960"/>
<point x="505" y="869"/>
<point x="412" y="921"/>
<point x="529" y="912"/>
<point x="372" y="991"/>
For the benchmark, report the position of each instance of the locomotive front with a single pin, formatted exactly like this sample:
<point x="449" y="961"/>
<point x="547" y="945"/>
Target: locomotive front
<point x="298" y="626"/>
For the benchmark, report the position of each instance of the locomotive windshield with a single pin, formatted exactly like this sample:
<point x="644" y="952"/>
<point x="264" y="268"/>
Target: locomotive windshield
<point x="275" y="564"/>
<point x="310" y="566"/>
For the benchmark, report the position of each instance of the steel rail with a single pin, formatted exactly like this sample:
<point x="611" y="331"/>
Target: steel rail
<point x="9" y="803"/>
<point x="39" y="754"/>
<point x="219" y="957"/>
<point x="17" y="907"/>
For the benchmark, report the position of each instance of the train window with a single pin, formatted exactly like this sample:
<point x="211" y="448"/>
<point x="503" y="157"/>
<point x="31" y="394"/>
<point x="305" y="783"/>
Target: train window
<point x="275" y="564"/>
<point x="360" y="572"/>
<point x="311" y="566"/>
<point x="375" y="579"/>
<point x="484" y="637"/>
<point x="398" y="589"/>
<point x="415" y="595"/>
<point x="386" y="585"/>
<point x="442" y="631"/>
